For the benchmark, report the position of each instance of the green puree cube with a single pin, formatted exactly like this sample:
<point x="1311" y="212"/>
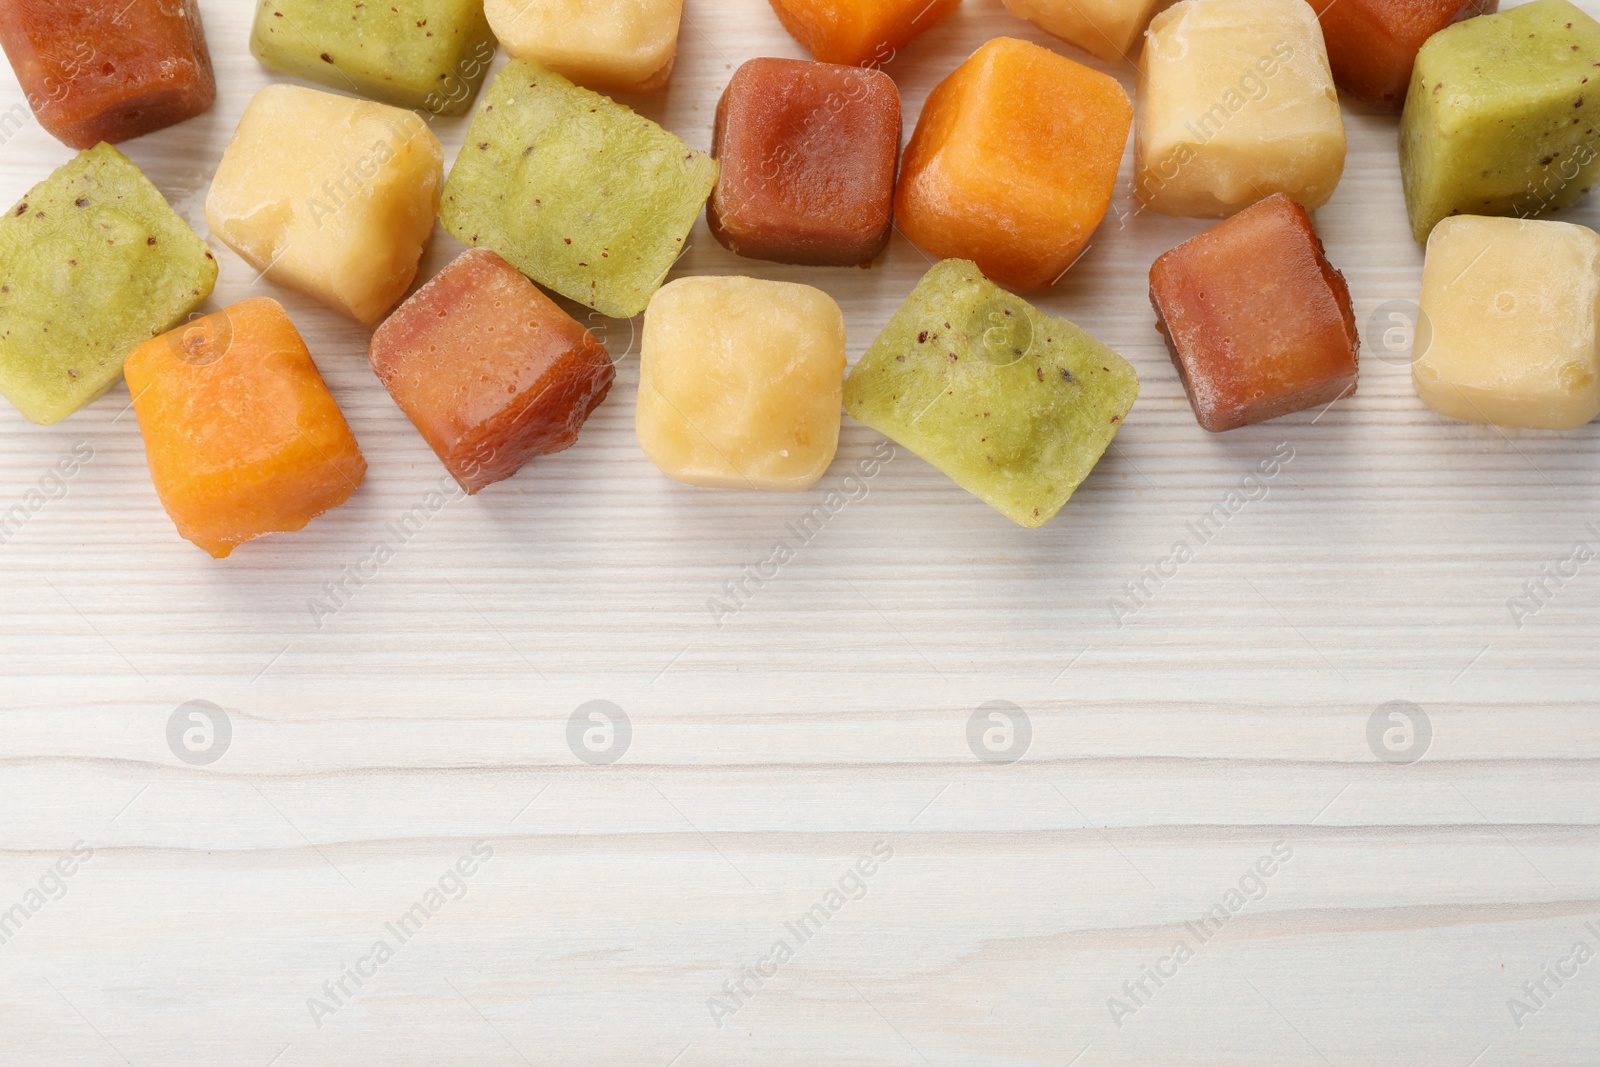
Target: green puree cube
<point x="1014" y="405"/>
<point x="93" y="263"/>
<point x="1502" y="116"/>
<point x="430" y="55"/>
<point x="576" y="191"/>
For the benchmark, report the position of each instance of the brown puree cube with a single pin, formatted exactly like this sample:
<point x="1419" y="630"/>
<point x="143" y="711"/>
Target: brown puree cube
<point x="108" y="70"/>
<point x="1258" y="322"/>
<point x="489" y="369"/>
<point x="808" y="154"/>
<point x="1372" y="44"/>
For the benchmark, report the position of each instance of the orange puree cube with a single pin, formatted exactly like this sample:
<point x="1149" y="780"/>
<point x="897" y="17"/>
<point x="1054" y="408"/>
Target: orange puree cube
<point x="1013" y="162"/>
<point x="242" y="436"/>
<point x="859" y="33"/>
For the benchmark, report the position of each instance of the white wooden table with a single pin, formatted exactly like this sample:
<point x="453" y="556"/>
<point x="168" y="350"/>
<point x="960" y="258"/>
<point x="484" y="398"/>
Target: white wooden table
<point x="1166" y="757"/>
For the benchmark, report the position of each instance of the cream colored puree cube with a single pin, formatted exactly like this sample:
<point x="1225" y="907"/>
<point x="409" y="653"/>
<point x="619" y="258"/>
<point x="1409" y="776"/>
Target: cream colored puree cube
<point x="331" y="196"/>
<point x="1110" y="29"/>
<point x="614" y="46"/>
<point x="1507" y="333"/>
<point x="741" y="382"/>
<point x="1236" y="102"/>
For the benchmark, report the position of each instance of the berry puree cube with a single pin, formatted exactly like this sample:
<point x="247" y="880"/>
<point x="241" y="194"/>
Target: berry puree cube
<point x="241" y="435"/>
<point x="108" y="71"/>
<point x="426" y="54"/>
<point x="1236" y="102"/>
<point x="93" y="263"/>
<point x="859" y="33"/>
<point x="613" y="46"/>
<point x="489" y="369"/>
<point x="808" y="154"/>
<point x="1013" y="162"/>
<point x="1109" y="29"/>
<point x="330" y="196"/>
<point x="575" y="190"/>
<point x="1258" y="323"/>
<point x="1507" y="333"/>
<point x="1015" y="406"/>
<point x="1501" y="117"/>
<point x="1372" y="44"/>
<point x="740" y="383"/>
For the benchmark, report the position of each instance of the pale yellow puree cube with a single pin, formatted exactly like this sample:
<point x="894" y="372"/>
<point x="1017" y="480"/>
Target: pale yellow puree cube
<point x="741" y="382"/>
<point x="1507" y="331"/>
<point x="1236" y="102"/>
<point x="331" y="196"/>
<point x="613" y="46"/>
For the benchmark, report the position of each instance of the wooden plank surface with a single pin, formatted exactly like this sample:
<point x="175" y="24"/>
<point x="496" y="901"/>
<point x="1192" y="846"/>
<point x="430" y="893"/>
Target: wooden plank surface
<point x="1234" y="723"/>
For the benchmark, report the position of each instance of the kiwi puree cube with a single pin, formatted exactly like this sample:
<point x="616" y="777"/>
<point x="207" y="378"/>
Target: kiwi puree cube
<point x="575" y="190"/>
<point x="93" y="263"/>
<point x="1503" y="116"/>
<point x="429" y="55"/>
<point x="1014" y="405"/>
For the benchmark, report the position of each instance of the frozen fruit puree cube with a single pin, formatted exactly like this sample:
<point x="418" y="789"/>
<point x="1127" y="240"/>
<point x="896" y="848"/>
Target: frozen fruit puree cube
<point x="740" y="382"/>
<point x="1501" y="117"/>
<point x="1372" y="44"/>
<point x="489" y="369"/>
<point x="615" y="46"/>
<point x="241" y="435"/>
<point x="93" y="262"/>
<point x="1015" y="406"/>
<point x="1110" y="29"/>
<point x="1236" y="102"/>
<point x="1258" y="323"/>
<point x="808" y="154"/>
<point x="331" y="196"/>
<point x="426" y="54"/>
<point x="575" y="190"/>
<point x="1507" y="332"/>
<point x="110" y="71"/>
<point x="859" y="32"/>
<point x="1013" y="162"/>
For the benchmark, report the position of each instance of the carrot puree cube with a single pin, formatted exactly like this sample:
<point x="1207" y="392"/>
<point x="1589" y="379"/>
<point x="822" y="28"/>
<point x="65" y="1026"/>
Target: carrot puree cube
<point x="859" y="33"/>
<point x="489" y="369"/>
<point x="1109" y="29"/>
<point x="1372" y="44"/>
<point x="108" y="71"/>
<point x="808" y="154"/>
<point x="1013" y="162"/>
<point x="1258" y="323"/>
<point x="330" y="196"/>
<point x="240" y="432"/>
